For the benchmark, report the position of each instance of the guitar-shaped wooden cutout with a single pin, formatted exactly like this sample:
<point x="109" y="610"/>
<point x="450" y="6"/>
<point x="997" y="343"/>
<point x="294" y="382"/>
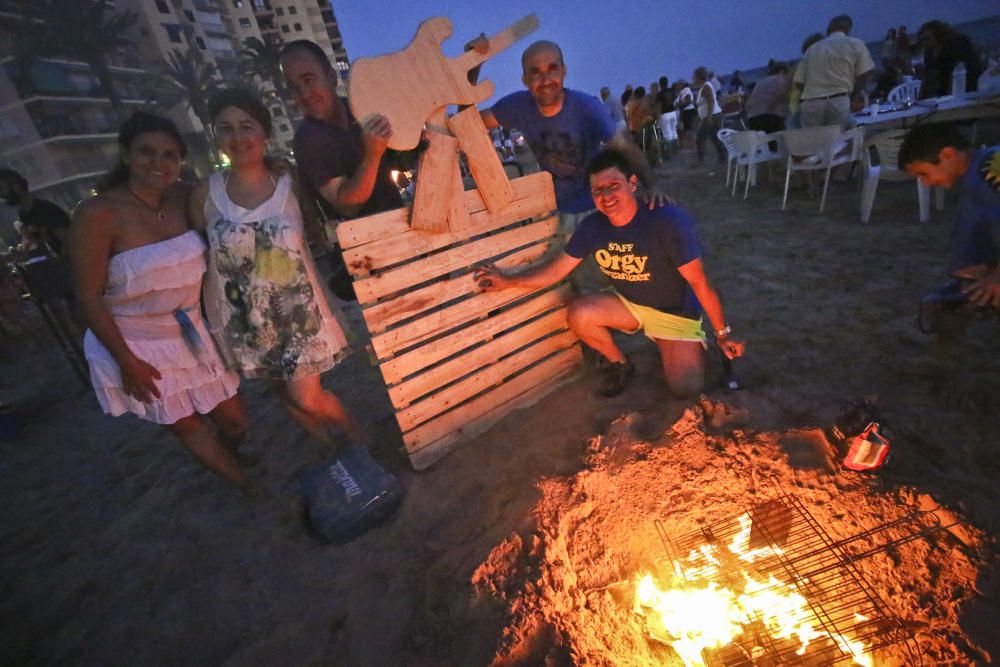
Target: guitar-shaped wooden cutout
<point x="408" y="86"/>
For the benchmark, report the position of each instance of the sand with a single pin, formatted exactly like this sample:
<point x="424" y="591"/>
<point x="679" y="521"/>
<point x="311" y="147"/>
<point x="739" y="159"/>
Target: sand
<point x="118" y="549"/>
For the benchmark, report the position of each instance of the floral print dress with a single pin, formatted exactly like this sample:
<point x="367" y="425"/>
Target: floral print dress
<point x="265" y="305"/>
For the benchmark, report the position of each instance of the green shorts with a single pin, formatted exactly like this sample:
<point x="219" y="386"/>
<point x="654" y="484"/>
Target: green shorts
<point x="663" y="326"/>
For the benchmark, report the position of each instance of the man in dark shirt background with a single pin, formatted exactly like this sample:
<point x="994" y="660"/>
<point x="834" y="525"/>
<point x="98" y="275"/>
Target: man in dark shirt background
<point x="944" y="48"/>
<point x="42" y="220"/>
<point x="340" y="159"/>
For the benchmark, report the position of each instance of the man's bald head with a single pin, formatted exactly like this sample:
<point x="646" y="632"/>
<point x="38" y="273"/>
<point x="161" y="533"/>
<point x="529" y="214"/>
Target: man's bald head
<point x="542" y="45"/>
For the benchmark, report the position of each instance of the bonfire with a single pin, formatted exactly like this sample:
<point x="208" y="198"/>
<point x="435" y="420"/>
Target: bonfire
<point x="702" y="546"/>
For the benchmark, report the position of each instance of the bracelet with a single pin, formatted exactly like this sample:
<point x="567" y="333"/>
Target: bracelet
<point x="723" y="332"/>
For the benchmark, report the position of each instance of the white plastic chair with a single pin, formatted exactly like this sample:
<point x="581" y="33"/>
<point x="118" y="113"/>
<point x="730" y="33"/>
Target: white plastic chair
<point x="753" y="148"/>
<point x="905" y="91"/>
<point x="816" y="148"/>
<point x="726" y="137"/>
<point x="880" y="160"/>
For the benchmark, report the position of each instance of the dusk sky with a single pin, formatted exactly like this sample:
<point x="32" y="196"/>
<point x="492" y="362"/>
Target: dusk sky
<point x="636" y="41"/>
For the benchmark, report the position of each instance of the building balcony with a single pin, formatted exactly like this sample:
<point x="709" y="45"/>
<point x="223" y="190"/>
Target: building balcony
<point x="262" y="7"/>
<point x="74" y="167"/>
<point x="67" y="135"/>
<point x="69" y="79"/>
<point x="84" y="177"/>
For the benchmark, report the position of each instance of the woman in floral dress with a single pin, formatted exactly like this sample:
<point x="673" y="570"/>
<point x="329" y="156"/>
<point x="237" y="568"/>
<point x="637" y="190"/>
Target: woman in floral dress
<point x="265" y="306"/>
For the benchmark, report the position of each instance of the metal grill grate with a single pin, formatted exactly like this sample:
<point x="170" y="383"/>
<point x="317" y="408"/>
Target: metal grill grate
<point x="786" y="542"/>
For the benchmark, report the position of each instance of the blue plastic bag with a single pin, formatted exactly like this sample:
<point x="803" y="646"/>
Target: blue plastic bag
<point x="348" y="495"/>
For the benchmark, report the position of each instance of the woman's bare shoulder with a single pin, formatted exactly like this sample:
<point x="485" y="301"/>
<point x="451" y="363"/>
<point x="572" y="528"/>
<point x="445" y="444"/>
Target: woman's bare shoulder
<point x="101" y="209"/>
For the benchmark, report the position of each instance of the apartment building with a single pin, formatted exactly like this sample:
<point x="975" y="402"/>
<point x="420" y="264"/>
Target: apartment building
<point x="56" y="126"/>
<point x="59" y="130"/>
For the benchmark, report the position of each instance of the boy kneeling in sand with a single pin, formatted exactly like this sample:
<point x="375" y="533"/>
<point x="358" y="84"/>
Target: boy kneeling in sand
<point x="653" y="259"/>
<point x="939" y="155"/>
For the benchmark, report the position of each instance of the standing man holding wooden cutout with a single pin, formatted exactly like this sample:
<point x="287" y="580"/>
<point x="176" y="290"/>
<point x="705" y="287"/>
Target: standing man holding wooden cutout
<point x="565" y="129"/>
<point x="341" y="159"/>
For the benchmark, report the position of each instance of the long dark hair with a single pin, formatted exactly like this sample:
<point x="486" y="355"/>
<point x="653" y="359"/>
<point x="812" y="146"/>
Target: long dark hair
<point x="139" y="123"/>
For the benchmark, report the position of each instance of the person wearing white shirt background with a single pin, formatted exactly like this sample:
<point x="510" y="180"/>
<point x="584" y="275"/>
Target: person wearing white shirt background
<point x="709" y="115"/>
<point x="832" y="71"/>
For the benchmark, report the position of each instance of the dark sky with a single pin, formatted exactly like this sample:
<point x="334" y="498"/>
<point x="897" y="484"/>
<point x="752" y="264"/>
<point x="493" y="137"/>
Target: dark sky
<point x="613" y="42"/>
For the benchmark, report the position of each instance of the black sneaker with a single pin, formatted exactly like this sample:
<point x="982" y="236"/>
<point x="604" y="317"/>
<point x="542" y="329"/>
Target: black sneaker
<point x="616" y="377"/>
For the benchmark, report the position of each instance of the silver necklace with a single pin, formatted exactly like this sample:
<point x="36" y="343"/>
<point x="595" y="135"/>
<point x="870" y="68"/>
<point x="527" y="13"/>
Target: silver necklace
<point x="157" y="211"/>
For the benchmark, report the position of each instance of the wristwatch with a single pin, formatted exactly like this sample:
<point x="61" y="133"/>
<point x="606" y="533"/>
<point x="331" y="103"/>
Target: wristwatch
<point x="723" y="332"/>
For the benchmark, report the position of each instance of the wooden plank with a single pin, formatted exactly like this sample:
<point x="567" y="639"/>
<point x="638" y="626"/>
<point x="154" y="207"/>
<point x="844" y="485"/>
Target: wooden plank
<point x="493" y="374"/>
<point x="408" y="363"/>
<point x="458" y="211"/>
<point x="412" y="389"/>
<point x="409" y="85"/>
<point x="484" y="163"/>
<point x="353" y="233"/>
<point x="435" y="183"/>
<point x="394" y="280"/>
<point x="463" y="419"/>
<point x="384" y="314"/>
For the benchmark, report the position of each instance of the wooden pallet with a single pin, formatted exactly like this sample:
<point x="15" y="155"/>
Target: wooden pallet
<point x="457" y="360"/>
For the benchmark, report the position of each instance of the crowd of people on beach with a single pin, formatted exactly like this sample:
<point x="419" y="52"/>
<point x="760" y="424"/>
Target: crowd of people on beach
<point x="186" y="290"/>
<point x="687" y="113"/>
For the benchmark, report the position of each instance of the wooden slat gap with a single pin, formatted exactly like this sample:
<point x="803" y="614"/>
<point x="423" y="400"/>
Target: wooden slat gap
<point x="362" y="266"/>
<point x="451" y="327"/>
<point x="503" y="371"/>
<point x="425" y="271"/>
<point x="461" y="419"/>
<point x="406" y="308"/>
<point x="469" y="362"/>
<point x="421" y="356"/>
<point x="427" y="455"/>
<point x="456" y="275"/>
<point x="452" y="367"/>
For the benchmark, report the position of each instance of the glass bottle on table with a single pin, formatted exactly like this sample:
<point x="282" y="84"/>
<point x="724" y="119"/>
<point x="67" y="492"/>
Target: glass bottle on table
<point x="958" y="80"/>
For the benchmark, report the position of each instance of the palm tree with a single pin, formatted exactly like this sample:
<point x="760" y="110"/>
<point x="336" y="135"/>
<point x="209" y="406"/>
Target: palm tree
<point x="80" y="30"/>
<point x="259" y="60"/>
<point x="185" y="78"/>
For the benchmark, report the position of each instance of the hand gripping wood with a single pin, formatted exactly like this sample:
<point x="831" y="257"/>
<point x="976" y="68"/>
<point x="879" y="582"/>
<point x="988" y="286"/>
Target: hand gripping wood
<point x="408" y="86"/>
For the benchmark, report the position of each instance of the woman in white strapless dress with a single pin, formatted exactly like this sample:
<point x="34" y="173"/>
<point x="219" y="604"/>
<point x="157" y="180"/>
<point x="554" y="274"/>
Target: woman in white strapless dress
<point x="138" y="270"/>
<point x="265" y="304"/>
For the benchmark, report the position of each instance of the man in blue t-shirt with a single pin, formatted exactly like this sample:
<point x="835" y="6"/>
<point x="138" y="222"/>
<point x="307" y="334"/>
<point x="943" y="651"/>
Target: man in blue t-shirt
<point x="565" y="128"/>
<point x="939" y="155"/>
<point x="653" y="260"/>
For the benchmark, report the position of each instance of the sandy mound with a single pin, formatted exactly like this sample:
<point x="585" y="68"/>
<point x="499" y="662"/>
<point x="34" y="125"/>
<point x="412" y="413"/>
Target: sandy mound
<point x="568" y="583"/>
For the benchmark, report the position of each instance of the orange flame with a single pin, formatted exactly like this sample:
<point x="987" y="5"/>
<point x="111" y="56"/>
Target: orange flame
<point x="692" y="619"/>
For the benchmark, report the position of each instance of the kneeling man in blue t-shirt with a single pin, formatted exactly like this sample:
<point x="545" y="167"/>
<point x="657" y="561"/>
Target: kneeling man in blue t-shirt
<point x="653" y="259"/>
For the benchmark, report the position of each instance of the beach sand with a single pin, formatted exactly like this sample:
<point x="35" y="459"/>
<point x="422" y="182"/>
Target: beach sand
<point x="117" y="549"/>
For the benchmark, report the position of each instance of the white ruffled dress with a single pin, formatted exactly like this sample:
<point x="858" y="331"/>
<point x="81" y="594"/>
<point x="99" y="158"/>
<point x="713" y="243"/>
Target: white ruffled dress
<point x="146" y="288"/>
